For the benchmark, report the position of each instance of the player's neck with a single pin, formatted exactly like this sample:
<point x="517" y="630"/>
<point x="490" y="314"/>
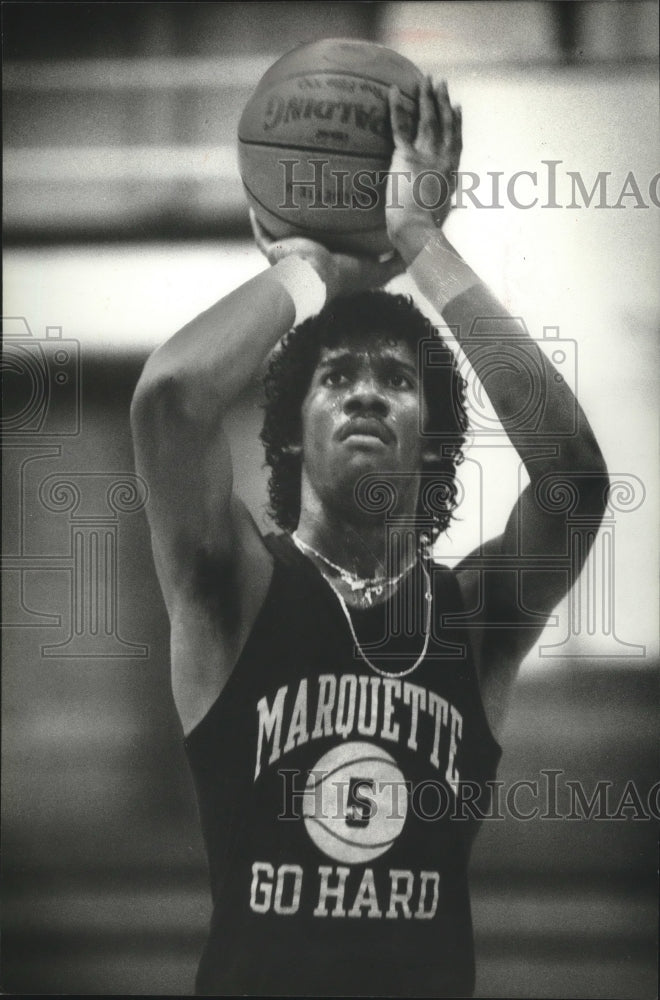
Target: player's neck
<point x="368" y="551"/>
<point x="361" y="542"/>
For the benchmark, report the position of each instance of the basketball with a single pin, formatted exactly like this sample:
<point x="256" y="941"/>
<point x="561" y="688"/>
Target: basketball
<point x="355" y="802"/>
<point x="315" y="142"/>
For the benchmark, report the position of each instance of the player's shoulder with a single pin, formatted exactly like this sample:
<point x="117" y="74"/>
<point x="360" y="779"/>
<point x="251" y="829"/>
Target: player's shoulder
<point x="446" y="588"/>
<point x="441" y="570"/>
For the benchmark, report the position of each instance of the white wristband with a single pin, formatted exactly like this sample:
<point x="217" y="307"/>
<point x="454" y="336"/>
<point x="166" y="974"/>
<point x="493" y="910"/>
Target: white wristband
<point x="440" y="274"/>
<point x="302" y="282"/>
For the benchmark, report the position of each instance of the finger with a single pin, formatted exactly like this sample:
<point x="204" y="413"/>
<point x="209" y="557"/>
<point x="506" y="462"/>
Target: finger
<point x="284" y="248"/>
<point x="299" y="245"/>
<point x="261" y="237"/>
<point x="445" y="112"/>
<point x="401" y="119"/>
<point x="429" y="132"/>
<point x="277" y="251"/>
<point x="457" y="136"/>
<point x="379" y="272"/>
<point x="392" y="267"/>
<point x="458" y="124"/>
<point x="455" y="147"/>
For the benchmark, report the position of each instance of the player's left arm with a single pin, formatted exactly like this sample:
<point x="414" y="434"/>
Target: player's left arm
<point x="513" y="574"/>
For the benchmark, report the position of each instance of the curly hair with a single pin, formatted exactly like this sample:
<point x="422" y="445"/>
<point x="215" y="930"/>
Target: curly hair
<point x="290" y="372"/>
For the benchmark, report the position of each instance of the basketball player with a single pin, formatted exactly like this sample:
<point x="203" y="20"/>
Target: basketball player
<point x="339" y="757"/>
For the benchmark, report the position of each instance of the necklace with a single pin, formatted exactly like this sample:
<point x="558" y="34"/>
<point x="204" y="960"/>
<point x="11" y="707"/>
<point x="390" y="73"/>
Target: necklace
<point x="344" y="573"/>
<point x="364" y="588"/>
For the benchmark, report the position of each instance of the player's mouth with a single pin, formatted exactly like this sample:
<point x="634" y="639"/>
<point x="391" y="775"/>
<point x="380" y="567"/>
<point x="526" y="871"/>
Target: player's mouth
<point x="366" y="427"/>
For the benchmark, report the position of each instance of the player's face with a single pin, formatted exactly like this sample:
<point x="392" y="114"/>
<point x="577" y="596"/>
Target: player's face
<point x="362" y="414"/>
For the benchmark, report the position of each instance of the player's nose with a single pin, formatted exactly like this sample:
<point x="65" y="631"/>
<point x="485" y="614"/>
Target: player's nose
<point x="366" y="394"/>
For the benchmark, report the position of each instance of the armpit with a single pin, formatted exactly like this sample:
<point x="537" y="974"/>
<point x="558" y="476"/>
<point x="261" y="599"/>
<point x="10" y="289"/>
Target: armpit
<point x="215" y="587"/>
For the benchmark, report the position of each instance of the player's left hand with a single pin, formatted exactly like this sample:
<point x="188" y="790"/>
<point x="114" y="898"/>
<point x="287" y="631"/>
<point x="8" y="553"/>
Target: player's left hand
<point x="430" y="142"/>
<point x="342" y="273"/>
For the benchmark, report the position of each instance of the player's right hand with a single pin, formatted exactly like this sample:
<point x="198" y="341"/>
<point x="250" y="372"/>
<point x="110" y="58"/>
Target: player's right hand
<point x="342" y="273"/>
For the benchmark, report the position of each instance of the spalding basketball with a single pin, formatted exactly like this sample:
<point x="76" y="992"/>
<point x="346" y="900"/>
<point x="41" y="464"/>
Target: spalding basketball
<point x="355" y="803"/>
<point x="315" y="142"/>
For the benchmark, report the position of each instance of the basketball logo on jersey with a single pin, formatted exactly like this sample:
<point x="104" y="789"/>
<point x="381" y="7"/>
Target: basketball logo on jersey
<point x="355" y="802"/>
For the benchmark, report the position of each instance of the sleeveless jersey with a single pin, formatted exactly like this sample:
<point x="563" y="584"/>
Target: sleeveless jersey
<point x="329" y="794"/>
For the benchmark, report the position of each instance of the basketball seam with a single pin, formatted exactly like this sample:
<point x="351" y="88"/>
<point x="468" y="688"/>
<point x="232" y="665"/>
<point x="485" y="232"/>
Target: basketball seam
<point x="312" y="149"/>
<point x="310" y="228"/>
<point x="329" y="72"/>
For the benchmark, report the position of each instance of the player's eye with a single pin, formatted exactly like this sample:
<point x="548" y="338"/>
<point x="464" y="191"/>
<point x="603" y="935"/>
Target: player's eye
<point x="397" y="380"/>
<point x="335" y="377"/>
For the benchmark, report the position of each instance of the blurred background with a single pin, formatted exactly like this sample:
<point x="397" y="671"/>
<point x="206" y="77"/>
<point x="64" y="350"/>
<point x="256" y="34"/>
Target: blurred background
<point x="123" y="217"/>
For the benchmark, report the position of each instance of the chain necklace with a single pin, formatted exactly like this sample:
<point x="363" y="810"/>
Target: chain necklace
<point x="369" y="587"/>
<point x="348" y="577"/>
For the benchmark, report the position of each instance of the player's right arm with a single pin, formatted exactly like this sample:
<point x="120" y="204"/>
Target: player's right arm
<point x="212" y="565"/>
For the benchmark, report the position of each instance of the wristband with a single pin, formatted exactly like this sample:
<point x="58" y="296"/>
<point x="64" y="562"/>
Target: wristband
<point x="440" y="274"/>
<point x="307" y="290"/>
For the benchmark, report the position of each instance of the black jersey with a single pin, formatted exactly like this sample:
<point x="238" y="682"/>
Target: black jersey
<point x="328" y="791"/>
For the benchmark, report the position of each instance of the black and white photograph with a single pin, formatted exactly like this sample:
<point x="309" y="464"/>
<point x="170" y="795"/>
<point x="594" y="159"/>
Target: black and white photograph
<point x="330" y="499"/>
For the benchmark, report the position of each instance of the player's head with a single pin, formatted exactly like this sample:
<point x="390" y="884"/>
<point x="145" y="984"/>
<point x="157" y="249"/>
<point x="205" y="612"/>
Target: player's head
<point x="343" y="322"/>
